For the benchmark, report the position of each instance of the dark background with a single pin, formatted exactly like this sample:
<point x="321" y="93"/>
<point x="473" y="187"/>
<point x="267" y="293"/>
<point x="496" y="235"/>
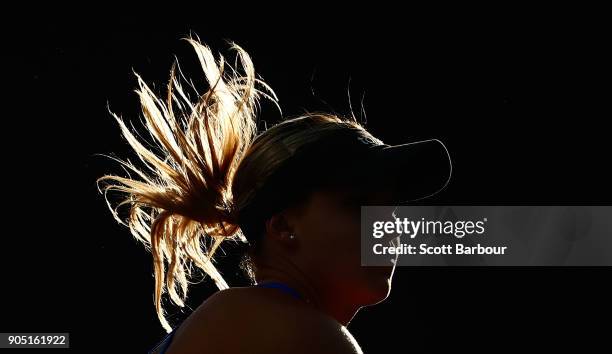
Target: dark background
<point x="520" y="98"/>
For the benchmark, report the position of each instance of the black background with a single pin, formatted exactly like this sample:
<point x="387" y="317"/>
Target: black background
<point x="520" y="98"/>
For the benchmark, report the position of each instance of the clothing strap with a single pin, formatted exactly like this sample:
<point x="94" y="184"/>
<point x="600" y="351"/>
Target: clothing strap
<point x="281" y="286"/>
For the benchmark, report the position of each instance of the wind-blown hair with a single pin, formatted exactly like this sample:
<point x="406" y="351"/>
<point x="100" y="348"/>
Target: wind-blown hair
<point x="183" y="204"/>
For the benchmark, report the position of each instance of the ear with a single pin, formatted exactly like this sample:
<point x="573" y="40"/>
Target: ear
<point x="278" y="228"/>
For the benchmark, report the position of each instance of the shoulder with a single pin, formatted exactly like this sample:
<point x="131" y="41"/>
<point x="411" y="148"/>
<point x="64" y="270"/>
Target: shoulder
<point x="247" y="320"/>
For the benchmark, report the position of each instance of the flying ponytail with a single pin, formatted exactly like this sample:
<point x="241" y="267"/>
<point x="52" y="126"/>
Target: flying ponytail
<point x="181" y="205"/>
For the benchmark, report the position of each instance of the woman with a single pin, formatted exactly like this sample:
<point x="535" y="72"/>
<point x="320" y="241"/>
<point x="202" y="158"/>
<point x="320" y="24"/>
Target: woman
<point x="292" y="193"/>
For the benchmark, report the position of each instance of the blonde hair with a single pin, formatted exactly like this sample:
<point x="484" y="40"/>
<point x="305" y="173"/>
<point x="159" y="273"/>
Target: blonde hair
<point x="210" y="168"/>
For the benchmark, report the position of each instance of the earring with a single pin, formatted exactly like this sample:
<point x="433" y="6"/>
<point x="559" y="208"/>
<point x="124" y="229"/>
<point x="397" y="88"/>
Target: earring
<point x="292" y="236"/>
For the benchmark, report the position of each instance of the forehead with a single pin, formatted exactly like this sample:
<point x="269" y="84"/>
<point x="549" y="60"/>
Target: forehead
<point x="362" y="193"/>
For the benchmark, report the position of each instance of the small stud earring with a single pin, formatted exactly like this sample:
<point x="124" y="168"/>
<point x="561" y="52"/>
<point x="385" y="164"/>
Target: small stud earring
<point x="291" y="236"/>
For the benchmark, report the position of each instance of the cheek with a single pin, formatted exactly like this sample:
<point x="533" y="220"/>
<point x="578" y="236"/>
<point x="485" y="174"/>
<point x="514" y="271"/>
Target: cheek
<point x="330" y="247"/>
<point x="330" y="234"/>
<point x="332" y="238"/>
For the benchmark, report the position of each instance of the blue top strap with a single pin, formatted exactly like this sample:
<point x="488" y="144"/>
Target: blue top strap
<point x="281" y="286"/>
<point x="163" y="345"/>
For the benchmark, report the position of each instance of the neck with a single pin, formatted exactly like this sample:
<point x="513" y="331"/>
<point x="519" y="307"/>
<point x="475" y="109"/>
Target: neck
<point x="338" y="309"/>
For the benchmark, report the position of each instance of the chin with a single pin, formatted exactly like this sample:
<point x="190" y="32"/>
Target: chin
<point x="378" y="288"/>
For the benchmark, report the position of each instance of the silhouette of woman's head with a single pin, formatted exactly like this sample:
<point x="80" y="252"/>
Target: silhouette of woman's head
<point x="292" y="192"/>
